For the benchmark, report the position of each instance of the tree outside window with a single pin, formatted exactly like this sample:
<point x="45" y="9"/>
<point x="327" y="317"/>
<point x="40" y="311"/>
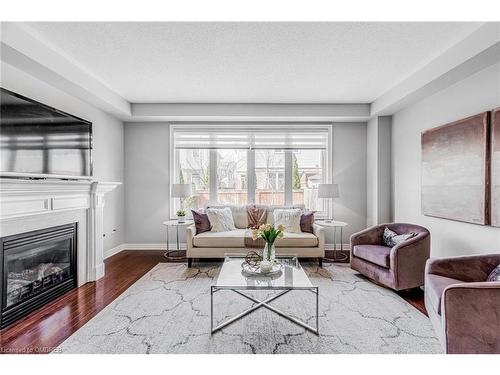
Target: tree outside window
<point x="193" y="168"/>
<point x="307" y="174"/>
<point x="231" y="177"/>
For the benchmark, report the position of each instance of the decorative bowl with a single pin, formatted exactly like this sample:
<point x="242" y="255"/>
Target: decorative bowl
<point x="256" y="270"/>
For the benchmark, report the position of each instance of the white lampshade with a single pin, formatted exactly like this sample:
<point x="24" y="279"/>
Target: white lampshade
<point x="328" y="191"/>
<point x="181" y="190"/>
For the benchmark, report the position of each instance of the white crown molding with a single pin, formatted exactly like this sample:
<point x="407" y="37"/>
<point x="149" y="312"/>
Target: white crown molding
<point x="249" y="112"/>
<point x="23" y="50"/>
<point x="471" y="55"/>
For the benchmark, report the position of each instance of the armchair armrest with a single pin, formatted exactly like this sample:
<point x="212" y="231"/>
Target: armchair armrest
<point x="471" y="317"/>
<point x="319" y="232"/>
<point x="473" y="268"/>
<point x="369" y="236"/>
<point x="408" y="261"/>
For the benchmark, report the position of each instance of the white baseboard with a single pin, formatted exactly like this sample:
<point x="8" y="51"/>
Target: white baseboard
<point x="146" y="246"/>
<point x="345" y="247"/>
<point x="182" y="246"/>
<point x="140" y="246"/>
<point x="114" y="250"/>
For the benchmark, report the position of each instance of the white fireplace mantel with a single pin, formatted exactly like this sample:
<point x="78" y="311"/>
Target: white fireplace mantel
<point x="31" y="204"/>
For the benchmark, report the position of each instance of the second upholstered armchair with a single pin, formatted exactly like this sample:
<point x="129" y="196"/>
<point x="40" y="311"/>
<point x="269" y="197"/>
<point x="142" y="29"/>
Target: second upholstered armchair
<point x="463" y="307"/>
<point x="399" y="267"/>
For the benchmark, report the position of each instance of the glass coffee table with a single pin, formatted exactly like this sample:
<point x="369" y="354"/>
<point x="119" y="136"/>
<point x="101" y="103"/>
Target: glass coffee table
<point x="292" y="277"/>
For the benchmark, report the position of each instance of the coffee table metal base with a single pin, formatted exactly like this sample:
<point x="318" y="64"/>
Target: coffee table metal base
<point x="260" y="304"/>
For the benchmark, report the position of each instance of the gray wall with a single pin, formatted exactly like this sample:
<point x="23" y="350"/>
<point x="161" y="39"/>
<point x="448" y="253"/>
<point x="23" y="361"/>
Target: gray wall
<point x="349" y="171"/>
<point x="371" y="171"/>
<point x="147" y="179"/>
<point x="473" y="95"/>
<point x="107" y="136"/>
<point x="384" y="172"/>
<point x="378" y="173"/>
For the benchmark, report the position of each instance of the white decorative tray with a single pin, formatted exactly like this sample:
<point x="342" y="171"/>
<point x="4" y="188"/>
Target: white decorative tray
<point x="250" y="270"/>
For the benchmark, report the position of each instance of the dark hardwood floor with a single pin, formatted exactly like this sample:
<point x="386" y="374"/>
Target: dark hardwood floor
<point x="45" y="329"/>
<point x="414" y="297"/>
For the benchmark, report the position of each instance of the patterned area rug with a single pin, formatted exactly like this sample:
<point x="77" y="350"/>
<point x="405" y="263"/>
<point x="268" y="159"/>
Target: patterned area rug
<point x="168" y="311"/>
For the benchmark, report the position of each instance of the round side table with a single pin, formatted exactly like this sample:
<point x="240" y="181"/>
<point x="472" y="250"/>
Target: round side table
<point x="177" y="255"/>
<point x="335" y="224"/>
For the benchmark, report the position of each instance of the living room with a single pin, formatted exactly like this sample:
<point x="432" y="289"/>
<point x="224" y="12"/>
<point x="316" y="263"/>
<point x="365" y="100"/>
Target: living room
<point x="259" y="187"/>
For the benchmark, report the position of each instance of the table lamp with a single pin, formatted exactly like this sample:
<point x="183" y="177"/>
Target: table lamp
<point x="181" y="191"/>
<point x="328" y="191"/>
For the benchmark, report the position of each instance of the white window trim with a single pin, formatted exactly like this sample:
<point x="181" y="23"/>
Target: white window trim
<point x="288" y="178"/>
<point x="251" y="183"/>
<point x="212" y="177"/>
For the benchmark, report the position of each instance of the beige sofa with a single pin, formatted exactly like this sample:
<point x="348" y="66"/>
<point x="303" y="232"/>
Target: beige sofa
<point x="216" y="244"/>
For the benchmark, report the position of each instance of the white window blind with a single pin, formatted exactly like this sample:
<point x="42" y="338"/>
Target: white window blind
<point x="305" y="138"/>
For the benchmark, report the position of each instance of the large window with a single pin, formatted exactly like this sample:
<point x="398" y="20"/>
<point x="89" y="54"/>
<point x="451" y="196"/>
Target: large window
<point x="193" y="168"/>
<point x="307" y="174"/>
<point x="232" y="177"/>
<point x="262" y="165"/>
<point x="269" y="177"/>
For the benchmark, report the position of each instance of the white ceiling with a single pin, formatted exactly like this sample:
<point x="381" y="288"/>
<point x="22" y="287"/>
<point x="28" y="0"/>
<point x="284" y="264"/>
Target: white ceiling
<point x="251" y="62"/>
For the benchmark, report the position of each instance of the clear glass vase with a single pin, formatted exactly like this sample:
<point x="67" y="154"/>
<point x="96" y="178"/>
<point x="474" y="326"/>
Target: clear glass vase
<point x="269" y="252"/>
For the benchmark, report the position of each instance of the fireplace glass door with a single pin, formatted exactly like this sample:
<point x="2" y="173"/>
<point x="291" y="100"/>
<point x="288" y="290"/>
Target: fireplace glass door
<point x="35" y="268"/>
<point x="35" y="264"/>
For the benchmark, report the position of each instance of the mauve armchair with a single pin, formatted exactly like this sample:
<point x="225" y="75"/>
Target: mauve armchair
<point x="400" y="267"/>
<point x="464" y="308"/>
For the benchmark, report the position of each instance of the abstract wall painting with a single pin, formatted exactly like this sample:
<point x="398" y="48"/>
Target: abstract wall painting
<point x="455" y="170"/>
<point x="495" y="168"/>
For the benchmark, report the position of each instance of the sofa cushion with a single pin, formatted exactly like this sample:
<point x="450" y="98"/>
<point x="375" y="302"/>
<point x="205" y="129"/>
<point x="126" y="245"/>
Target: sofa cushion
<point x="256" y="217"/>
<point x="289" y="218"/>
<point x="297" y="240"/>
<point x="221" y="219"/>
<point x="270" y="210"/>
<point x="434" y="288"/>
<point x="236" y="238"/>
<point x="307" y="221"/>
<point x="495" y="274"/>
<point x="239" y="215"/>
<point x="233" y="238"/>
<point x="201" y="222"/>
<point x="377" y="254"/>
<point x="391" y="238"/>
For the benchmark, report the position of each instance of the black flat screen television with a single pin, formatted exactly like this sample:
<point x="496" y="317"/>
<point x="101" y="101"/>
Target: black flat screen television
<point x="40" y="141"/>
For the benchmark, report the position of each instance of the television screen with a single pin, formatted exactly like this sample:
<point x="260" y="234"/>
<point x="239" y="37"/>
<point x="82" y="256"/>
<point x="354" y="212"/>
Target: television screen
<point x="36" y="139"/>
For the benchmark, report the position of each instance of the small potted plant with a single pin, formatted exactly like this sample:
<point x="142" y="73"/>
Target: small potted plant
<point x="181" y="216"/>
<point x="268" y="233"/>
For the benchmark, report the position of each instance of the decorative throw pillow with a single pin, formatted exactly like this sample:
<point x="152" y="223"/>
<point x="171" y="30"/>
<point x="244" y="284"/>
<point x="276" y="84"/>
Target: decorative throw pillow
<point x="256" y="216"/>
<point x="495" y="274"/>
<point x="307" y="221"/>
<point x="392" y="239"/>
<point x="289" y="218"/>
<point x="221" y="219"/>
<point x="201" y="222"/>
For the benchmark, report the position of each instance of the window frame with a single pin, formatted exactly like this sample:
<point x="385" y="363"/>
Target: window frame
<point x="327" y="165"/>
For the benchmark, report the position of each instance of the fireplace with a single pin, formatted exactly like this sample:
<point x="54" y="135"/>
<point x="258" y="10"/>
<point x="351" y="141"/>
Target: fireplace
<point x="36" y="267"/>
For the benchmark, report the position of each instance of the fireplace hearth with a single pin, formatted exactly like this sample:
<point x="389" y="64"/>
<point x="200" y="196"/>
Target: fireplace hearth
<point x="36" y="267"/>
